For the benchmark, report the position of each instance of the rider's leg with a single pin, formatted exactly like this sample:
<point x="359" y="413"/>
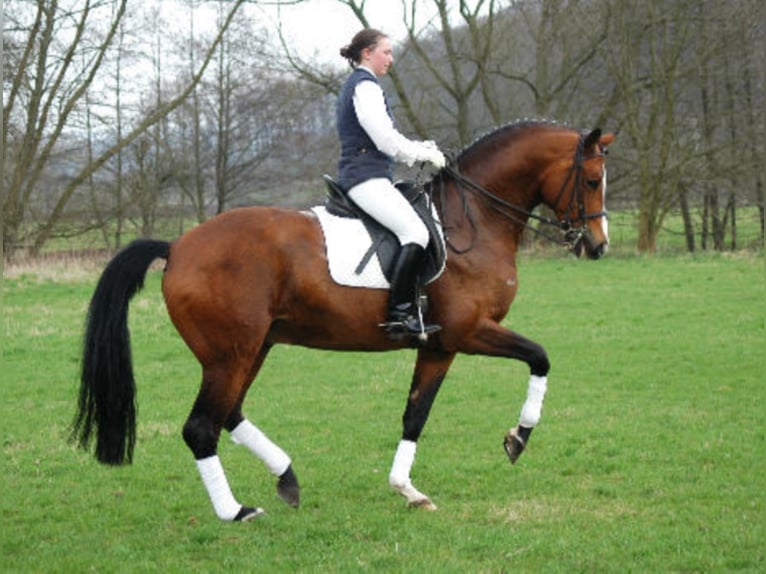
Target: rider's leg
<point x="387" y="205"/>
<point x="379" y="198"/>
<point x="403" y="314"/>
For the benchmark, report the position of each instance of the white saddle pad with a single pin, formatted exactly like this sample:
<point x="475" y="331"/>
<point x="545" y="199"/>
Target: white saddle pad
<point x="347" y="241"/>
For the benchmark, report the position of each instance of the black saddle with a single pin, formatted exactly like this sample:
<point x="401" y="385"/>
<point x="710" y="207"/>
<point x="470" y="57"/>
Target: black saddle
<point x="384" y="243"/>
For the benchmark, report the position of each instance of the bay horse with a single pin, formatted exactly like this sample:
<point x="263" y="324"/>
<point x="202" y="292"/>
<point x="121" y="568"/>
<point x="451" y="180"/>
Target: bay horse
<point x="254" y="277"/>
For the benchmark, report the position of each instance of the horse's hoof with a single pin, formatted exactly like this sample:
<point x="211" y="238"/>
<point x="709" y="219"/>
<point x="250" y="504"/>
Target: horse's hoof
<point x="514" y="445"/>
<point x="424" y="503"/>
<point x="288" y="488"/>
<point x="247" y="513"/>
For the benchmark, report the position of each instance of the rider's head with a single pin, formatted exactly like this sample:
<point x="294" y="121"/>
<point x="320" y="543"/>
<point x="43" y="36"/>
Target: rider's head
<point x="370" y="48"/>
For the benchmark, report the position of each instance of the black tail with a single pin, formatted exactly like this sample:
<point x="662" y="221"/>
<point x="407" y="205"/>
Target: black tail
<point x="107" y="388"/>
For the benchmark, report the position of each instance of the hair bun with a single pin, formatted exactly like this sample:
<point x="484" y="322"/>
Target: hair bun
<point x="363" y="40"/>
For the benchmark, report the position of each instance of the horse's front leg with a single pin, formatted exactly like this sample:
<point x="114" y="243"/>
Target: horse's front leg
<point x="494" y="340"/>
<point x="430" y="370"/>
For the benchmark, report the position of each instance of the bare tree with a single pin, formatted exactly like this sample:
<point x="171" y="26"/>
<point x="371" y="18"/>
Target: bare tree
<point x="647" y="61"/>
<point x="42" y="98"/>
<point x="46" y="89"/>
<point x="680" y="79"/>
<point x="232" y="99"/>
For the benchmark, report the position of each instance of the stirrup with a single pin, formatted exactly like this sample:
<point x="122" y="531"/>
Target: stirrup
<point x="409" y="326"/>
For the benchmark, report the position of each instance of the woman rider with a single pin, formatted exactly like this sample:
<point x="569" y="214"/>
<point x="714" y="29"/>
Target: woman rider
<point x="369" y="146"/>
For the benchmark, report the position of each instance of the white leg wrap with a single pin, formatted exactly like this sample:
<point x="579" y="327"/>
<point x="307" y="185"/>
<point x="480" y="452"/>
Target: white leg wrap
<point x="214" y="479"/>
<point x="403" y="461"/>
<point x="261" y="446"/>
<point x="399" y="478"/>
<point x="530" y="412"/>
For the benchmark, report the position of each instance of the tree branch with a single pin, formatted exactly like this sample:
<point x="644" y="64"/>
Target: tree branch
<point x="46" y="229"/>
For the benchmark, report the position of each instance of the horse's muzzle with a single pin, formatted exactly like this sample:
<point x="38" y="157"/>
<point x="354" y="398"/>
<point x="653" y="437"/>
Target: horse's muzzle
<point x="586" y="244"/>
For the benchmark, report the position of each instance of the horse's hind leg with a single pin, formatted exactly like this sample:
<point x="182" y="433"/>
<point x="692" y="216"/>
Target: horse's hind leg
<point x="244" y="432"/>
<point x="223" y="388"/>
<point x="276" y="460"/>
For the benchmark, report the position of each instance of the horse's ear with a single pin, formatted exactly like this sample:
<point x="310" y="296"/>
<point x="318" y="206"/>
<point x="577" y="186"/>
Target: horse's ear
<point x="592" y="138"/>
<point x="596" y="137"/>
<point x="607" y="139"/>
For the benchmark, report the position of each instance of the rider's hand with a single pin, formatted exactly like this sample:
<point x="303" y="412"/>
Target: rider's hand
<point x="437" y="159"/>
<point x="430" y="153"/>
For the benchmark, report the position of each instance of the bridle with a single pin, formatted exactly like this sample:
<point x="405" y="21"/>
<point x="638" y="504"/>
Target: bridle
<point x="571" y="235"/>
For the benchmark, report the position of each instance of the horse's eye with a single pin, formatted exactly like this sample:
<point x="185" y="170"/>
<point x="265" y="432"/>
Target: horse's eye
<point x="593" y="183"/>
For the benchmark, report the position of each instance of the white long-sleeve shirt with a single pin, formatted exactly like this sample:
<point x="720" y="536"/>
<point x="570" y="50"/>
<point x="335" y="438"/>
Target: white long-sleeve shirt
<point x="370" y="108"/>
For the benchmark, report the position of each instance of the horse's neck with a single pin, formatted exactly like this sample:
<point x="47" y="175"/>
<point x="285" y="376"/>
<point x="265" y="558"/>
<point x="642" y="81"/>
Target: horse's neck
<point x="513" y="176"/>
<point x="476" y="225"/>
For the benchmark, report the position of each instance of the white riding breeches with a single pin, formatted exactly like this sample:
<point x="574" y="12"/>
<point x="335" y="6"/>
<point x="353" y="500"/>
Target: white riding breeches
<point x="379" y="198"/>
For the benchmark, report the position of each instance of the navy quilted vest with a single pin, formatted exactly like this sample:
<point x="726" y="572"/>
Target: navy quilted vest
<point x="360" y="159"/>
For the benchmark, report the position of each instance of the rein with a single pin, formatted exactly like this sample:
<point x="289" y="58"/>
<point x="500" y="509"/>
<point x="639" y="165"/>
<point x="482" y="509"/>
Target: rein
<point x="520" y="215"/>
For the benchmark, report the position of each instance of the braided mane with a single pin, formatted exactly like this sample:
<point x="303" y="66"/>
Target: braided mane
<point x="500" y="137"/>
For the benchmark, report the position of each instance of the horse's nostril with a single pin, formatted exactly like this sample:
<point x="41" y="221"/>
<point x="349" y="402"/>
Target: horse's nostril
<point x="599" y="251"/>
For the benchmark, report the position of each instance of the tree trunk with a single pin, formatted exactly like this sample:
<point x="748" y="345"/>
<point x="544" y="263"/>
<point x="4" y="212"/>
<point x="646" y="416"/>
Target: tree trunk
<point x="687" y="219"/>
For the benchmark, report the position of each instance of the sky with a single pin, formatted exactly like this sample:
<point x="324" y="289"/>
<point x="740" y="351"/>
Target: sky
<point x="320" y="27"/>
<point x="316" y="29"/>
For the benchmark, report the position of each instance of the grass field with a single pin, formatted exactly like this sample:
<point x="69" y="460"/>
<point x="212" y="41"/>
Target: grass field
<point x="649" y="456"/>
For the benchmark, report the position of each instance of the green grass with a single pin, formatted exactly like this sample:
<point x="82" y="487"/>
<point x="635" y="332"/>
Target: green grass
<point x="649" y="456"/>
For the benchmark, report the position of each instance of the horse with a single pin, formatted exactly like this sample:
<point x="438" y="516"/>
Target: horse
<point x="254" y="277"/>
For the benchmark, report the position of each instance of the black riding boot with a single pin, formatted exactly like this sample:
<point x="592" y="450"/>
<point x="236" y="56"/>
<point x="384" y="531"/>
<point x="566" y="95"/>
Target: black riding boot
<point x="403" y="314"/>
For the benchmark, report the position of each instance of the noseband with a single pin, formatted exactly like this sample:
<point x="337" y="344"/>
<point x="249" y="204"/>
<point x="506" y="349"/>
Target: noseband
<point x="517" y="214"/>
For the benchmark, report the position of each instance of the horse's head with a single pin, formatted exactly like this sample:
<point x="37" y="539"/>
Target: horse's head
<point x="518" y="166"/>
<point x="576" y="191"/>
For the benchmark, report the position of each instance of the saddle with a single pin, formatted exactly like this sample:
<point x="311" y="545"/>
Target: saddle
<point x="385" y="244"/>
